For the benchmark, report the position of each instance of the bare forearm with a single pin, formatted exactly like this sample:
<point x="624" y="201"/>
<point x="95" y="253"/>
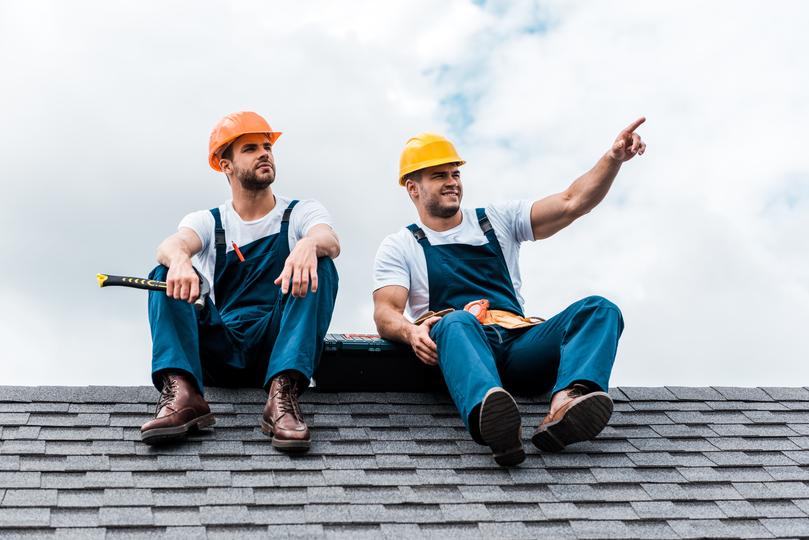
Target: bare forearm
<point x="326" y="242"/>
<point x="590" y="188"/>
<point x="393" y="325"/>
<point x="555" y="212"/>
<point x="173" y="250"/>
<point x="389" y="304"/>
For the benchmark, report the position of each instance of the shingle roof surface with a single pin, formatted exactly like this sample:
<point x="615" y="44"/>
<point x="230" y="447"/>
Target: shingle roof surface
<point x="673" y="463"/>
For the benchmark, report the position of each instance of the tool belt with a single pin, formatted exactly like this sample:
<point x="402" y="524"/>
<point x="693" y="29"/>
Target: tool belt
<point x="480" y="309"/>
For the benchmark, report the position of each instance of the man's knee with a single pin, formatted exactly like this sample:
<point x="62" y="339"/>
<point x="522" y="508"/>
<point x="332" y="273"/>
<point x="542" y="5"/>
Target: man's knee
<point x="593" y="304"/>
<point x="159" y="273"/>
<point x="326" y="270"/>
<point x="596" y="302"/>
<point x="460" y="317"/>
<point x="327" y="278"/>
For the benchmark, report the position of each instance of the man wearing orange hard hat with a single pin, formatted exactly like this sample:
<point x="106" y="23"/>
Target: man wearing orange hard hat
<point x="456" y="272"/>
<point x="269" y="260"/>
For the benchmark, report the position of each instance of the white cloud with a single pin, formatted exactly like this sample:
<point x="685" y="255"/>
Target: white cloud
<point x="107" y="108"/>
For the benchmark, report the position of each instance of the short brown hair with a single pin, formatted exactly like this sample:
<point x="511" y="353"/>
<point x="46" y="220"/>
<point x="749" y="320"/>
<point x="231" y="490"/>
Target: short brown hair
<point x="414" y="176"/>
<point x="227" y="153"/>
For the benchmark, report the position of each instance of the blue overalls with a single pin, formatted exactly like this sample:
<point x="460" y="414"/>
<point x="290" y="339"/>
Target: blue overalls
<point x="578" y="344"/>
<point x="235" y="342"/>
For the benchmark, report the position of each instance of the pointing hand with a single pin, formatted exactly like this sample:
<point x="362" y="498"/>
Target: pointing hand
<point x="628" y="143"/>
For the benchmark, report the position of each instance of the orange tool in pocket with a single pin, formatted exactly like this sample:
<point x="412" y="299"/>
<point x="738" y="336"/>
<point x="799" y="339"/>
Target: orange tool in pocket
<point x="478" y="308"/>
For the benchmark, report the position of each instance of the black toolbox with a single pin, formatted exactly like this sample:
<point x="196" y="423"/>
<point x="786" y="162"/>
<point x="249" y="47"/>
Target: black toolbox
<point x="368" y="363"/>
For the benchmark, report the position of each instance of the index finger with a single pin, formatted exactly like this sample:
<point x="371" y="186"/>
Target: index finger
<point x="634" y="125"/>
<point x="283" y="279"/>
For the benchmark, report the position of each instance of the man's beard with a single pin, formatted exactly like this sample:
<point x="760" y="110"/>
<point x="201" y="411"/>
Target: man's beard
<point x="250" y="181"/>
<point x="436" y="209"/>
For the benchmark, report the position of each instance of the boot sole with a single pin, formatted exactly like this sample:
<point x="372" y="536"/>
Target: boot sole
<point x="284" y="446"/>
<point x="581" y="422"/>
<point x="177" y="433"/>
<point x="501" y="427"/>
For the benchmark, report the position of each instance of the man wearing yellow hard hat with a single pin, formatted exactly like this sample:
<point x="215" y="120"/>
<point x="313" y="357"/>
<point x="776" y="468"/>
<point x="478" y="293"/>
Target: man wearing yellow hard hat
<point x="268" y="258"/>
<point x="455" y="270"/>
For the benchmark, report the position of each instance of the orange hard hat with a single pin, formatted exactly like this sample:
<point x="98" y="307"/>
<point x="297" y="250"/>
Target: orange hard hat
<point x="231" y="128"/>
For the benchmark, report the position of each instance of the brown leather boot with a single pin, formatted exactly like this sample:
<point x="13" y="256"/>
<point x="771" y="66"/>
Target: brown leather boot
<point x="282" y="419"/>
<point x="580" y="416"/>
<point x="179" y="410"/>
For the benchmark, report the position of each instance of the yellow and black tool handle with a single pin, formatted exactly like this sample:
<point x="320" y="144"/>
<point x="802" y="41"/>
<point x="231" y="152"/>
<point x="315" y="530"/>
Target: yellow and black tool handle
<point x="108" y="280"/>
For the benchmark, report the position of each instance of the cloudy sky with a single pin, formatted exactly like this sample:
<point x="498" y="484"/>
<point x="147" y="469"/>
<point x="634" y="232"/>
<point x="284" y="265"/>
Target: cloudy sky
<point x="105" y="110"/>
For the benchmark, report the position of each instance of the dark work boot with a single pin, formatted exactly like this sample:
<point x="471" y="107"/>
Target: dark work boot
<point x="179" y="410"/>
<point x="501" y="427"/>
<point x="580" y="416"/>
<point x="282" y="419"/>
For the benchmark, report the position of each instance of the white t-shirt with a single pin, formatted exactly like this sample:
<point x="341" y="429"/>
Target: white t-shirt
<point x="307" y="214"/>
<point x="400" y="259"/>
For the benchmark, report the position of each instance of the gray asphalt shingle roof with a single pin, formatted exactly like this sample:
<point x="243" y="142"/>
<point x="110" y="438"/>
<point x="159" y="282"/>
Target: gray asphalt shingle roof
<point x="674" y="462"/>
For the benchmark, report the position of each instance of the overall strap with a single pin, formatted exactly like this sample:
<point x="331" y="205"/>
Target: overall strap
<point x="485" y="224"/>
<point x="285" y="218"/>
<point x="283" y="234"/>
<point x="488" y="231"/>
<point x="219" y="244"/>
<point x="419" y="235"/>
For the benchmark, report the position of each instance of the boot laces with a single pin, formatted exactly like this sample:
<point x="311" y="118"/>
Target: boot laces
<point x="287" y="401"/>
<point x="167" y="394"/>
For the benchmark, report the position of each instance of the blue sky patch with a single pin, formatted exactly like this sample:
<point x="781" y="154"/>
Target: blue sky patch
<point x="459" y="112"/>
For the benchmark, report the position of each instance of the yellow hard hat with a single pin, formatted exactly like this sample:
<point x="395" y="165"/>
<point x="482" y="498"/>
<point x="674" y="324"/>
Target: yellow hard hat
<point x="426" y="150"/>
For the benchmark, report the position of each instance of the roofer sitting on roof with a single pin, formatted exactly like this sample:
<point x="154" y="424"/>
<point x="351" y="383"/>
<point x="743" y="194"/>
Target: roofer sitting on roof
<point x="455" y="258"/>
<point x="274" y="286"/>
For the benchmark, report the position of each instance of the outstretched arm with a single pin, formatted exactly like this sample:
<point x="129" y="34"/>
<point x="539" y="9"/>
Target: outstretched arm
<point x="555" y="212"/>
